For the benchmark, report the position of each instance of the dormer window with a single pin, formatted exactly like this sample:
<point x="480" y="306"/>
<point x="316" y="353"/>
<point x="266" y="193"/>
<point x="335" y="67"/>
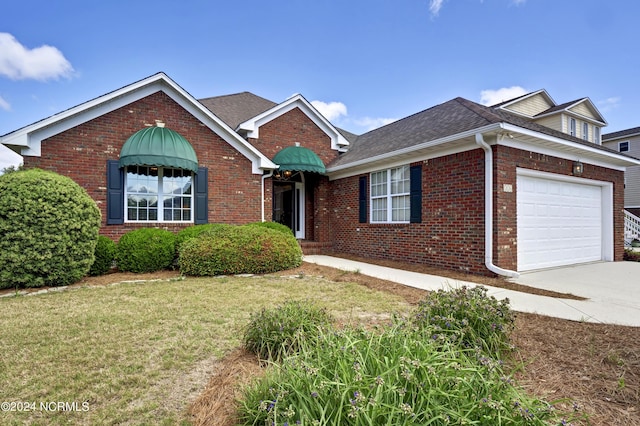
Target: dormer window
<point x="585" y="131"/>
<point x="623" y="146"/>
<point x="596" y="135"/>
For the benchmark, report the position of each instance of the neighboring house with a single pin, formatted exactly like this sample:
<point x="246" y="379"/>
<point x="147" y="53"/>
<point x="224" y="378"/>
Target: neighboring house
<point x="489" y="190"/>
<point x="628" y="142"/>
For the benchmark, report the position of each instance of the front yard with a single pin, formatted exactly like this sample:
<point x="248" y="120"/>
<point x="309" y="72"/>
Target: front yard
<point x="142" y="353"/>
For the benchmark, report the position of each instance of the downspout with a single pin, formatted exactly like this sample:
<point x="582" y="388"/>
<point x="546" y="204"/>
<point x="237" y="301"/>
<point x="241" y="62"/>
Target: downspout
<point x="488" y="211"/>
<point x="268" y="175"/>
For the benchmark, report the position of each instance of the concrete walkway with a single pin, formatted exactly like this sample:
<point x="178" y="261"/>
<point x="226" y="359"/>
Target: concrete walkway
<point x="612" y="288"/>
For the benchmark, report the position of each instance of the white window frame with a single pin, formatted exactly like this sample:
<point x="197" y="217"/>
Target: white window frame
<point x="380" y="189"/>
<point x="625" y="144"/>
<point x="160" y="199"/>
<point x="585" y="131"/>
<point x="572" y="126"/>
<point x="596" y="135"/>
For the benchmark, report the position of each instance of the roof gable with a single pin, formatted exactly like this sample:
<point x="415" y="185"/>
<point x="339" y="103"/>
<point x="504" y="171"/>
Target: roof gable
<point x="582" y="108"/>
<point x="28" y="139"/>
<point x="251" y="127"/>
<point x="528" y="105"/>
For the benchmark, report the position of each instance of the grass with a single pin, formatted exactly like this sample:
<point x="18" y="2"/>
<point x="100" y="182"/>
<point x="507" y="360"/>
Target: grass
<point x="127" y="350"/>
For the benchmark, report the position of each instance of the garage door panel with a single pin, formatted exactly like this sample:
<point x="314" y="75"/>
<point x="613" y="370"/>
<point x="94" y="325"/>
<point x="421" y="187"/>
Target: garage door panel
<point x="559" y="222"/>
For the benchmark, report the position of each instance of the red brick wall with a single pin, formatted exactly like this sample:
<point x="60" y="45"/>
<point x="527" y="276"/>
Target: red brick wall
<point x="451" y="234"/>
<point x="82" y="152"/>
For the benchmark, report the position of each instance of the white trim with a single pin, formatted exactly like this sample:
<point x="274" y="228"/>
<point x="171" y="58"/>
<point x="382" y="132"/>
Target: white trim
<point x="298" y="216"/>
<point x="607" y="204"/>
<point x="252" y="126"/>
<point x="529" y="95"/>
<point x="30" y="137"/>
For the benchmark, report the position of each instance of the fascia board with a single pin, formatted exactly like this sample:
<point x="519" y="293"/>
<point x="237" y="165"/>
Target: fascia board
<point x="530" y="95"/>
<point x="617" y="160"/>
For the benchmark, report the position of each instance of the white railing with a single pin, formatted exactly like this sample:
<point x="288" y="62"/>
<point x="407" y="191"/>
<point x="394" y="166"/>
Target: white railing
<point x="631" y="227"/>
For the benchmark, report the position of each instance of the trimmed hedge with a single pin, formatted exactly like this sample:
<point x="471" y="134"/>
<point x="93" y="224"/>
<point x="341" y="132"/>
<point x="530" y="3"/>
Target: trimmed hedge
<point x="48" y="229"/>
<point x="245" y="249"/>
<point x="104" y="254"/>
<point x="146" y="250"/>
<point x="273" y="225"/>
<point x="196" y="230"/>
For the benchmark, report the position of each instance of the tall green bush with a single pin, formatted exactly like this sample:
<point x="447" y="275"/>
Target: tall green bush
<point x="48" y="229"/>
<point x="146" y="250"/>
<point x="239" y="250"/>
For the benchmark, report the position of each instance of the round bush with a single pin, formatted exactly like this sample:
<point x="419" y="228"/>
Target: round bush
<point x="104" y="254"/>
<point x="274" y="333"/>
<point x="196" y="230"/>
<point x="239" y="250"/>
<point x="48" y="229"/>
<point x="146" y="250"/>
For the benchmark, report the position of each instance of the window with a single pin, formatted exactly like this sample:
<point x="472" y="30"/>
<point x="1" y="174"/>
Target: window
<point x="596" y="135"/>
<point x="158" y="194"/>
<point x="585" y="131"/>
<point x="390" y="195"/>
<point x="572" y="126"/>
<point x="623" y="146"/>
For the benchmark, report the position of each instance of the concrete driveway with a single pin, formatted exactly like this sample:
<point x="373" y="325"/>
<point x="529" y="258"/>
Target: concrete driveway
<point x="612" y="290"/>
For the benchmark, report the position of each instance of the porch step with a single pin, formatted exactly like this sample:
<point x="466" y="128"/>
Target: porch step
<point x="314" y="247"/>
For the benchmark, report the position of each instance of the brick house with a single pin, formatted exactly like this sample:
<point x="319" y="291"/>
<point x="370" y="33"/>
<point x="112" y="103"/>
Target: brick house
<point x="150" y="154"/>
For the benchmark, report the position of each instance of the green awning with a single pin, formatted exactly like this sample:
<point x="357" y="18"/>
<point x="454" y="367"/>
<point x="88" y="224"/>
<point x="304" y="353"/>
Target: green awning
<point x="298" y="158"/>
<point x="158" y="146"/>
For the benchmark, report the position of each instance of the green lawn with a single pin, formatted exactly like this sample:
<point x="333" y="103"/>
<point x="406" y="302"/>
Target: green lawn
<point x="136" y="353"/>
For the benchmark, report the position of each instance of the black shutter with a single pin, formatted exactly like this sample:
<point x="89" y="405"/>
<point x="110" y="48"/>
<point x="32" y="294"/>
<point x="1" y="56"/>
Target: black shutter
<point x="115" y="193"/>
<point x="362" y="199"/>
<point x="415" y="194"/>
<point x="202" y="196"/>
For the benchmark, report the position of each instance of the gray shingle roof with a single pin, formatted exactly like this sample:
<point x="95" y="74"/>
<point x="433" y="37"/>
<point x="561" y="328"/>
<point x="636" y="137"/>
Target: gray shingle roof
<point x="450" y="118"/>
<point x="237" y="108"/>
<point x="621" y="133"/>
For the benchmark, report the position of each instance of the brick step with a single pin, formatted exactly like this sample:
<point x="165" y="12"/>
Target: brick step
<point x="314" y="247"/>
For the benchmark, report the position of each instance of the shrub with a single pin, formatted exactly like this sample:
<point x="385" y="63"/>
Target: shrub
<point x="146" y="250"/>
<point x="273" y="225"/>
<point x="631" y="255"/>
<point x="239" y="250"/>
<point x="48" y="229"/>
<point x="388" y="377"/>
<point x="196" y="230"/>
<point x="466" y="316"/>
<point x="104" y="255"/>
<point x="274" y="333"/>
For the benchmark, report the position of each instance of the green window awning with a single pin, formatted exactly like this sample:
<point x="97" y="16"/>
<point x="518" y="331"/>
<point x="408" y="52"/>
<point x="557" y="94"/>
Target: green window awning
<point x="298" y="158"/>
<point x="158" y="146"/>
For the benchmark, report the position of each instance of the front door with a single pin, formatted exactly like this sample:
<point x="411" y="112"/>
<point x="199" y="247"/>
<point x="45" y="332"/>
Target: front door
<point x="288" y="206"/>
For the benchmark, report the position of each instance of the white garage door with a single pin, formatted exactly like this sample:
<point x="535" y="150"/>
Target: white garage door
<point x="559" y="223"/>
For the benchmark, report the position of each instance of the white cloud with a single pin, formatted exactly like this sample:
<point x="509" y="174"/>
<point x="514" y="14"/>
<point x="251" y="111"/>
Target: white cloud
<point x="435" y="6"/>
<point x="609" y="103"/>
<point x="491" y="97"/>
<point x="332" y="110"/>
<point x="41" y="63"/>
<point x="369" y="123"/>
<point x="4" y="104"/>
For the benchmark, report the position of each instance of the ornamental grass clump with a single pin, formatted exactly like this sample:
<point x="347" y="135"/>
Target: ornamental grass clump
<point x="273" y="333"/>
<point x="466" y="316"/>
<point x="48" y="229"/>
<point x="387" y="377"/>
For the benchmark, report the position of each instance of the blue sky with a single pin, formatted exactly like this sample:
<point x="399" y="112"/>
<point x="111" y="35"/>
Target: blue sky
<point x="362" y="63"/>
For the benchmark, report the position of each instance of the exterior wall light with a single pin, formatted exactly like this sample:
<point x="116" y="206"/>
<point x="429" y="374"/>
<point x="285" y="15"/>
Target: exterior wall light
<point x="578" y="168"/>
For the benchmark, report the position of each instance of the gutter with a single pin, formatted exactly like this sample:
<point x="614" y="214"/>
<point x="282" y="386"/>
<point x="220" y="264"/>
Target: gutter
<point x="268" y="175"/>
<point x="488" y="211"/>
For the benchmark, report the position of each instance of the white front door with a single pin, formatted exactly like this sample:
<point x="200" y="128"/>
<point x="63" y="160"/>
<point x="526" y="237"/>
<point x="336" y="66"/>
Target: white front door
<point x="298" y="210"/>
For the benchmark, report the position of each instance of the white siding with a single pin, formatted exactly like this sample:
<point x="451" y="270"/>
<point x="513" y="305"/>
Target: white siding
<point x="530" y="106"/>
<point x="554" y="122"/>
